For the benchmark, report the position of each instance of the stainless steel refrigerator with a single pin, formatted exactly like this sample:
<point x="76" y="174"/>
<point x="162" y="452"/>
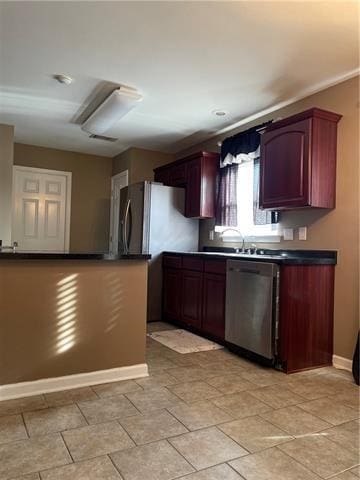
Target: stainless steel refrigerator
<point x="152" y="221"/>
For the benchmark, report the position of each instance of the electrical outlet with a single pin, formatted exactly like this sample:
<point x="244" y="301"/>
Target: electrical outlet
<point x="288" y="233"/>
<point x="302" y="233"/>
<point x="211" y="235"/>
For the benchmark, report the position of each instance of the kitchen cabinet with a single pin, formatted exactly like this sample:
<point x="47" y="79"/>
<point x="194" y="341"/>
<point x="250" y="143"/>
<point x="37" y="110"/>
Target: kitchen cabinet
<point x="172" y="293"/>
<point x="194" y="293"/>
<point x="201" y="294"/>
<point x="163" y="176"/>
<point x="213" y="320"/>
<point x="192" y="282"/>
<point x="306" y="316"/>
<point x="177" y="175"/>
<point x="197" y="173"/>
<point x="172" y="285"/>
<point x="298" y="161"/>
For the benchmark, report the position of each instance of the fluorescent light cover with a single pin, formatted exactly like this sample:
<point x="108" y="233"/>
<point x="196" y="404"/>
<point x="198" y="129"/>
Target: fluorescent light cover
<point x="116" y="105"/>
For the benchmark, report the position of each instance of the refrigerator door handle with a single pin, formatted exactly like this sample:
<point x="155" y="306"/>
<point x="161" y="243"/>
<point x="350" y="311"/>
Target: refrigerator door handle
<point x="129" y="220"/>
<point x="125" y="234"/>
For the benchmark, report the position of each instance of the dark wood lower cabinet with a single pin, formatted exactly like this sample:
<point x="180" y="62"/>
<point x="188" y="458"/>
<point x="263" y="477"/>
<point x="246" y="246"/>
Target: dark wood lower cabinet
<point x="172" y="284"/>
<point x="194" y="293"/>
<point x="213" y="321"/>
<point x="191" y="311"/>
<point x="306" y="316"/>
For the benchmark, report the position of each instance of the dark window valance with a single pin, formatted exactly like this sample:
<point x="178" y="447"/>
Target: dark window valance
<point x="243" y="146"/>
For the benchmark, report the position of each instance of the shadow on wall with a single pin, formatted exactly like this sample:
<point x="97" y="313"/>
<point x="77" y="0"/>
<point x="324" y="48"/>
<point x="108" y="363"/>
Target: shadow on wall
<point x="302" y="218"/>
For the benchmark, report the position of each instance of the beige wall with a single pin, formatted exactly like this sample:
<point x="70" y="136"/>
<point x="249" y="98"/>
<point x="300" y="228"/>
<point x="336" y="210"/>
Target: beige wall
<point x="140" y="163"/>
<point x="337" y="229"/>
<point x="6" y="168"/>
<point x="90" y="197"/>
<point x="43" y="338"/>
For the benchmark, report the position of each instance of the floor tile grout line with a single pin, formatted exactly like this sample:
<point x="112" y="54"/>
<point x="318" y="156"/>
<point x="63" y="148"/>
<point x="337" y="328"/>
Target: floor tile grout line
<point x="288" y="433"/>
<point x="300" y="463"/>
<point x="343" y="471"/>
<point x="210" y="466"/>
<point x="288" y="406"/>
<point x="114" y="464"/>
<point x="232" y="468"/>
<point x="25" y="426"/>
<point x="178" y="420"/>
<point x="187" y="461"/>
<point x="118" y="420"/>
<point x="66" y="446"/>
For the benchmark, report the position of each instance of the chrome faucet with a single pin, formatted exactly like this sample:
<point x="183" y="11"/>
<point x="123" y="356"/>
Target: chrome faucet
<point x="252" y="250"/>
<point x="237" y="250"/>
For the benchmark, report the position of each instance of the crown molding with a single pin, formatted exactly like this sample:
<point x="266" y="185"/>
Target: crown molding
<point x="307" y="92"/>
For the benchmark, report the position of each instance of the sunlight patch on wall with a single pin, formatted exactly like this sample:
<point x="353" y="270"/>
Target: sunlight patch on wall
<point x="115" y="301"/>
<point x="66" y="307"/>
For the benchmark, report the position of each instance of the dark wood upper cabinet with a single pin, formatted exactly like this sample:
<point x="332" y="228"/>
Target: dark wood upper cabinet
<point x="193" y="202"/>
<point x="178" y="175"/>
<point x="163" y="176"/>
<point x="197" y="173"/>
<point x="298" y="161"/>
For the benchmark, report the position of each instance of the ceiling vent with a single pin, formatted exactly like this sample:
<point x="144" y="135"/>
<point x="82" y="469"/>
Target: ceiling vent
<point x="114" y="107"/>
<point x="103" y="137"/>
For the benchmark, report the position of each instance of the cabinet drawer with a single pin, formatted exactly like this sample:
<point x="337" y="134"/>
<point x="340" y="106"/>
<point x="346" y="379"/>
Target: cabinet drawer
<point x="172" y="261"/>
<point x="215" y="266"/>
<point x="192" y="263"/>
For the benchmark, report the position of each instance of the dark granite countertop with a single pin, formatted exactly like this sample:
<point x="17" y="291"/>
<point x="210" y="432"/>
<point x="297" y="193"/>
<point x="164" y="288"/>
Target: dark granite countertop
<point x="19" y="255"/>
<point x="283" y="257"/>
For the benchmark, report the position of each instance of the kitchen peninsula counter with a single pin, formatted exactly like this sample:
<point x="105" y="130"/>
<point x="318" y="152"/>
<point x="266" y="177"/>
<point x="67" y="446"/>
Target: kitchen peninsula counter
<point x="19" y="255"/>
<point x="68" y="314"/>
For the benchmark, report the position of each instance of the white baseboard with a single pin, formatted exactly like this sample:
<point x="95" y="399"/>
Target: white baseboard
<point x="342" y="362"/>
<point x="47" y="385"/>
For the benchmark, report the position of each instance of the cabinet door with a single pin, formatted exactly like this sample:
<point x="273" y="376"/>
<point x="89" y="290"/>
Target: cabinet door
<point x="193" y="189"/>
<point x="284" y="166"/>
<point x="172" y="293"/>
<point x="213" y="320"/>
<point x="191" y="297"/>
<point x="306" y="316"/>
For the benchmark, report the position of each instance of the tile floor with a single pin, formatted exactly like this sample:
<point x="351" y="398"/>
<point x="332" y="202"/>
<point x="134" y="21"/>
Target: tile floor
<point x="201" y="416"/>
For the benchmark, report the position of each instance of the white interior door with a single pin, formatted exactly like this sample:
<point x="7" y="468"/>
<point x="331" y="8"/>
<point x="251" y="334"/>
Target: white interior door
<point x="41" y="209"/>
<point x="118" y="182"/>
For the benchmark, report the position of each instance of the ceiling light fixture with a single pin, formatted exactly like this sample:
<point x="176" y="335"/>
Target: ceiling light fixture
<point x="114" y="107"/>
<point x="219" y="113"/>
<point x="65" y="79"/>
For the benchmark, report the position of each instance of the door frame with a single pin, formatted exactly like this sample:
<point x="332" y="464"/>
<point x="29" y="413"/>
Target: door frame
<point x="67" y="175"/>
<point x="125" y="175"/>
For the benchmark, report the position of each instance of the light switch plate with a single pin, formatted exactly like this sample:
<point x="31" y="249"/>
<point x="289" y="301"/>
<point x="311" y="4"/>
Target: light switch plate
<point x="288" y="233"/>
<point x="302" y="233"/>
<point x="211" y="235"/>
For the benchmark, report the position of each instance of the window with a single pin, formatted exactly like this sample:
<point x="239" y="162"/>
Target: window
<point x="246" y="201"/>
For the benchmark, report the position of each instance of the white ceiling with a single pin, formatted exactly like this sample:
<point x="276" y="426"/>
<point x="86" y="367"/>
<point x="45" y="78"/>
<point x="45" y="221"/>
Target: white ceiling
<point x="186" y="58"/>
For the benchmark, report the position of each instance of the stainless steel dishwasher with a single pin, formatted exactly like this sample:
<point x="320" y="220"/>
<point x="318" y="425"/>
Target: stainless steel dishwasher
<point x="252" y="306"/>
